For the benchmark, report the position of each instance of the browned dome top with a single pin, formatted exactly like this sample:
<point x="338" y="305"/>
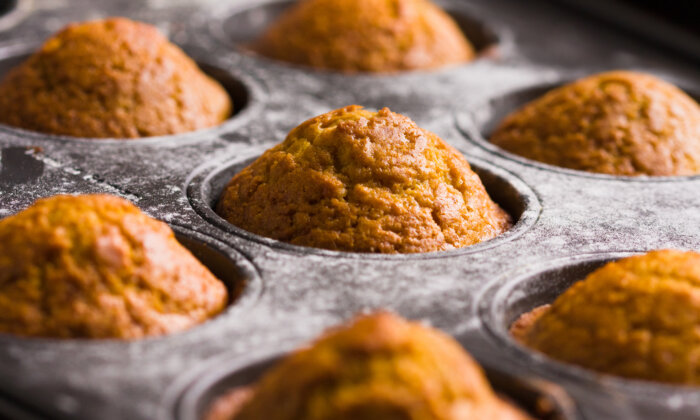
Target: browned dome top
<point x="620" y="123"/>
<point x="637" y="317"/>
<point x="111" y="78"/>
<point x="366" y="35"/>
<point x="356" y="180"/>
<point x="95" y="266"/>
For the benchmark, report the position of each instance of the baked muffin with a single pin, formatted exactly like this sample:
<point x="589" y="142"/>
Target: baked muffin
<point x="620" y="123"/>
<point x="366" y="36"/>
<point x="95" y="266"/>
<point x="638" y="318"/>
<point x="355" y="180"/>
<point x="111" y="78"/>
<point x="380" y="367"/>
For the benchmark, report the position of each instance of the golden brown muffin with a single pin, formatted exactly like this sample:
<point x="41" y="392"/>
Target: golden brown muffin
<point x="620" y="123"/>
<point x="111" y="78"/>
<point x="638" y="318"/>
<point x="95" y="266"/>
<point x="380" y="367"/>
<point x="366" y="35"/>
<point x="355" y="180"/>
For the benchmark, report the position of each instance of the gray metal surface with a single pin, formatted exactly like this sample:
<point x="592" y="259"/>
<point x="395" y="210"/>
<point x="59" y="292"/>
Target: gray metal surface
<point x="564" y="214"/>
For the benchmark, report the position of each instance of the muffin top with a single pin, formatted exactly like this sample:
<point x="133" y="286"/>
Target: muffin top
<point x="111" y="78"/>
<point x="637" y="318"/>
<point x="95" y="266"/>
<point x="355" y="180"/>
<point x="380" y="367"/>
<point x="366" y="36"/>
<point x="620" y="123"/>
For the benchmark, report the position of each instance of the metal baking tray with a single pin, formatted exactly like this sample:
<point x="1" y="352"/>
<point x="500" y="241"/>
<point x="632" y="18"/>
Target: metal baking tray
<point x="568" y="222"/>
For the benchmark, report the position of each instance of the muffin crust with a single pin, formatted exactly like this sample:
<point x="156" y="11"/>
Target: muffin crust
<point x="366" y="36"/>
<point x="378" y="367"/>
<point x="111" y="78"/>
<point x="637" y="318"/>
<point x="95" y="266"/>
<point x="355" y="180"/>
<point x="619" y="123"/>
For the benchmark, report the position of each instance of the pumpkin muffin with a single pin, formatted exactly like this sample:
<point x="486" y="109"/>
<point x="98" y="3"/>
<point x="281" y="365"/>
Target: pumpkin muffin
<point x="111" y="78"/>
<point x="380" y="367"/>
<point x="619" y="123"/>
<point x="355" y="180"/>
<point x="366" y="36"/>
<point x="95" y="266"/>
<point x="638" y="318"/>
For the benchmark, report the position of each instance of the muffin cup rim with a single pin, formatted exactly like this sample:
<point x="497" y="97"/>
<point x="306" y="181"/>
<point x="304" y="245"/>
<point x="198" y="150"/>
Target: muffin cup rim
<point x="14" y="16"/>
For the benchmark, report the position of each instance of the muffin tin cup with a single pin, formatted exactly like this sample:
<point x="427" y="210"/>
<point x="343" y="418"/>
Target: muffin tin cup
<point x="243" y="24"/>
<point x="235" y="271"/>
<point x="478" y="122"/>
<point x="246" y="93"/>
<point x="242" y="281"/>
<point x="511" y="193"/>
<point x="504" y="301"/>
<point x="193" y="396"/>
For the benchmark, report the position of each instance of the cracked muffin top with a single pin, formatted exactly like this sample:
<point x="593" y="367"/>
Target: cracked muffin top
<point x="366" y="36"/>
<point x="361" y="181"/>
<point x="638" y="318"/>
<point x="95" y="266"/>
<point x="619" y="123"/>
<point x="111" y="78"/>
<point x="379" y="367"/>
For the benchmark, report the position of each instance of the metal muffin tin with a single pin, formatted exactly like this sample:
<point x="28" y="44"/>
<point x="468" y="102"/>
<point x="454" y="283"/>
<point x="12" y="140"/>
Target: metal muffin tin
<point x="568" y="222"/>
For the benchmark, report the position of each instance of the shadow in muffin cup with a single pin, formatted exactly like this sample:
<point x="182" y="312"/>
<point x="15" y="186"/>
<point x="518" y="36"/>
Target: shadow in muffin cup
<point x="227" y="265"/>
<point x="11" y="409"/>
<point x="505" y="300"/>
<point x="481" y="119"/>
<point x="238" y="274"/>
<point x="242" y="26"/>
<point x="193" y="397"/>
<point x="7" y="6"/>
<point x="507" y="190"/>
<point x="243" y="91"/>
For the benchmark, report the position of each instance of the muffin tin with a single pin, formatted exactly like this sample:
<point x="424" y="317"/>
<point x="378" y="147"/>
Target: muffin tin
<point x="568" y="222"/>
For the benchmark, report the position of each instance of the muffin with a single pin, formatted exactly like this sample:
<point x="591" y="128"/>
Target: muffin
<point x="355" y="180"/>
<point x="95" y="266"/>
<point x="111" y="78"/>
<point x="619" y="123"/>
<point x="366" y="36"/>
<point x="380" y="367"/>
<point x="636" y="318"/>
